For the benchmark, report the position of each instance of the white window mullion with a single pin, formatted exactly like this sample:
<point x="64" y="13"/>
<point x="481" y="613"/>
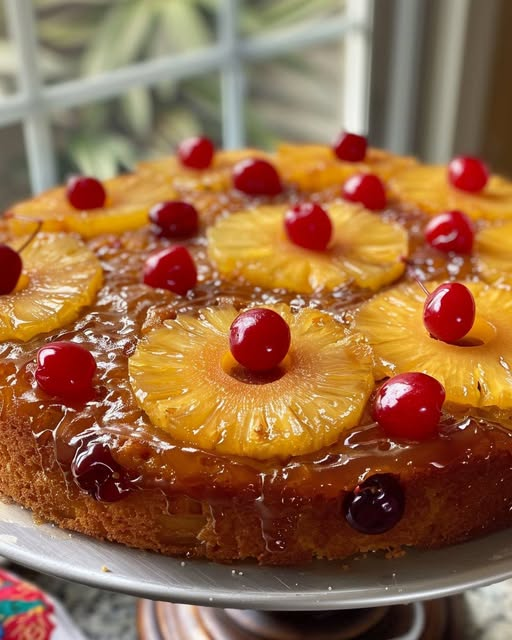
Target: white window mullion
<point x="232" y="77"/>
<point x="404" y="83"/>
<point x="36" y="125"/>
<point x="357" y="66"/>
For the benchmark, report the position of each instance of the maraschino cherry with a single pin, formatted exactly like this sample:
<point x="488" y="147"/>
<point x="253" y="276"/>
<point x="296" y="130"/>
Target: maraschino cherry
<point x="449" y="312"/>
<point x="350" y="147"/>
<point x="259" y="339"/>
<point x="85" y="193"/>
<point x="196" y="152"/>
<point x="409" y="406"/>
<point x="468" y="174"/>
<point x="65" y="370"/>
<point x="11" y="266"/>
<point x="451" y="231"/>
<point x="172" y="268"/>
<point x="308" y="225"/>
<point x="367" y="189"/>
<point x="376" y="505"/>
<point x="174" y="219"/>
<point x="95" y="471"/>
<point x="256" y="177"/>
<point x="11" y="263"/>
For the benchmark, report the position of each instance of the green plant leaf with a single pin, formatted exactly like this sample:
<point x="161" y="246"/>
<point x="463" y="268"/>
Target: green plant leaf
<point x="183" y="25"/>
<point x="137" y="109"/>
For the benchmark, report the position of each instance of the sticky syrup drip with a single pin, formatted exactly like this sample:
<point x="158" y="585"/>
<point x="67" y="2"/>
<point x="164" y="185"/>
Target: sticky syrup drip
<point x="125" y="308"/>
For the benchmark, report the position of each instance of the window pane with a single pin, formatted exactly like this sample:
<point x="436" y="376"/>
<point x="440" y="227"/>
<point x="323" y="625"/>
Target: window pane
<point x="257" y="17"/>
<point x="89" y="37"/>
<point x="8" y="59"/>
<point x="15" y="183"/>
<point x="308" y="84"/>
<point x="104" y="138"/>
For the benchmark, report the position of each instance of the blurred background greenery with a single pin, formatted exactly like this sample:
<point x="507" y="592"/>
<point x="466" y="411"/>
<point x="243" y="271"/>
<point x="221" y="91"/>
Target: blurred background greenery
<point x="79" y="38"/>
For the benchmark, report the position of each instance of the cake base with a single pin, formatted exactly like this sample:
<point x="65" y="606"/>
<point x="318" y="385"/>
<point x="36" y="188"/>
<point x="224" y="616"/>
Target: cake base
<point x="441" y="619"/>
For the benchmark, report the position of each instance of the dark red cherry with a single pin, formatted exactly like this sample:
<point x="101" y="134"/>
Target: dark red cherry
<point x="350" y="147"/>
<point x="366" y="188"/>
<point x="172" y="268"/>
<point x="449" y="312"/>
<point x="174" y="219"/>
<point x="256" y="177"/>
<point x="409" y="406"/>
<point x="451" y="231"/>
<point x="308" y="225"/>
<point x="376" y="505"/>
<point x="11" y="266"/>
<point x="95" y="471"/>
<point x="468" y="174"/>
<point x="196" y="152"/>
<point x="84" y="193"/>
<point x="259" y="339"/>
<point x="65" y="370"/>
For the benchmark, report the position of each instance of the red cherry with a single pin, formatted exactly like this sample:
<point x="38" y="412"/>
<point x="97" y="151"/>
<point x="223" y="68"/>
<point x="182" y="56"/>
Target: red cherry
<point x="65" y="370"/>
<point x="450" y="231"/>
<point x="174" y="219"/>
<point x="196" y="153"/>
<point x="367" y="189"/>
<point x="256" y="177"/>
<point x="85" y="193"/>
<point x="409" y="406"/>
<point x="449" y="312"/>
<point x="308" y="225"/>
<point x="468" y="174"/>
<point x="259" y="339"/>
<point x="173" y="269"/>
<point x="10" y="269"/>
<point x="95" y="471"/>
<point x="350" y="147"/>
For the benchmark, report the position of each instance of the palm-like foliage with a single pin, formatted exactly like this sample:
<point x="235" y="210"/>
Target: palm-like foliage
<point x="84" y="37"/>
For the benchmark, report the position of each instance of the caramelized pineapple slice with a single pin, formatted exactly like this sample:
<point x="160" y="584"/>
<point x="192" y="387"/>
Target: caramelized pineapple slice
<point x="217" y="178"/>
<point x="493" y="250"/>
<point x="129" y="199"/>
<point x="477" y="371"/>
<point x="313" y="167"/>
<point x="253" y="245"/>
<point x="427" y="187"/>
<point x="184" y="377"/>
<point x="60" y="277"/>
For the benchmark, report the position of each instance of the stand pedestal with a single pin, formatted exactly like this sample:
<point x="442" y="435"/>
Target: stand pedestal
<point x="433" y="620"/>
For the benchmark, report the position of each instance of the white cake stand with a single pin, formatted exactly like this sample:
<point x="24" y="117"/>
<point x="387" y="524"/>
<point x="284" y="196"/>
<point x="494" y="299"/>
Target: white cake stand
<point x="372" y="583"/>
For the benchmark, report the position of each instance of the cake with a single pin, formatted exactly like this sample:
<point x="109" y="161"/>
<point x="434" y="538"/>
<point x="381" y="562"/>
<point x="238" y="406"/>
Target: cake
<point x="273" y="356"/>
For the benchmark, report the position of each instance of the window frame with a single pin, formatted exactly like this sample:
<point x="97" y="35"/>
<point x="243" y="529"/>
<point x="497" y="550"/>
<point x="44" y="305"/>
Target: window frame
<point x="33" y="103"/>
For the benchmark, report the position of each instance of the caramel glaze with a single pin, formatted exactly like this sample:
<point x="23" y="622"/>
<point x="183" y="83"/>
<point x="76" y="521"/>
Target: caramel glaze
<point x="125" y="307"/>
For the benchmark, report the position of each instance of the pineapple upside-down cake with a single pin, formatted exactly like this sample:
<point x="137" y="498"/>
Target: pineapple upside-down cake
<point x="237" y="354"/>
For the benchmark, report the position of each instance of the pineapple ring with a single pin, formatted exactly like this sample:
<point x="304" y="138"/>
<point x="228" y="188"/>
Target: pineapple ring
<point x="313" y="167"/>
<point x="129" y="199"/>
<point x="217" y="178"/>
<point x="364" y="249"/>
<point x="427" y="187"/>
<point x="180" y="378"/>
<point x="494" y="254"/>
<point x="476" y="372"/>
<point x="60" y="277"/>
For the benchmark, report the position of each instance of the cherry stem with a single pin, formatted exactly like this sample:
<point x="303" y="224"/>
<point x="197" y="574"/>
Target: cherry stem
<point x="422" y="287"/>
<point x="33" y="234"/>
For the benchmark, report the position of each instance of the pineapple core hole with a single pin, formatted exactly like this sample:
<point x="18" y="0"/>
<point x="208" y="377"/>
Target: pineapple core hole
<point x="240" y="373"/>
<point x="481" y="333"/>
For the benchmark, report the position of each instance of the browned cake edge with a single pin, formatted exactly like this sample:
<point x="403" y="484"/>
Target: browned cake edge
<point x="442" y="507"/>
